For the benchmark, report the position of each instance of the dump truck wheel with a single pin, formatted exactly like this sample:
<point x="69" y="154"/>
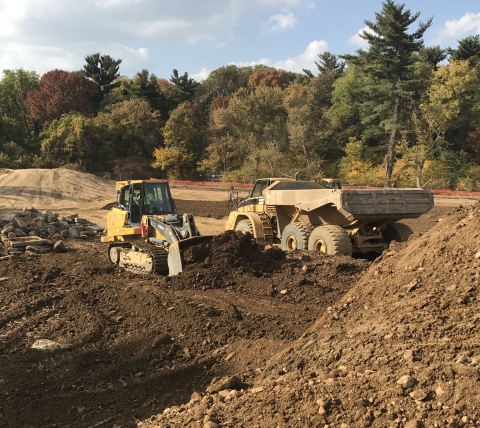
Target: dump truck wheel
<point x="295" y="237"/>
<point x="397" y="232"/>
<point x="244" y="226"/>
<point x="332" y="240"/>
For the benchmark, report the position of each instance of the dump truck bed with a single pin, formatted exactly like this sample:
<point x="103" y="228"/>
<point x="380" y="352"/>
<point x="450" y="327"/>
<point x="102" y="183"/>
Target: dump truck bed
<point x="374" y="204"/>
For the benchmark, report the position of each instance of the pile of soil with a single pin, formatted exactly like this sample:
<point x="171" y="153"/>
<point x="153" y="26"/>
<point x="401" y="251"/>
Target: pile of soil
<point x="133" y="345"/>
<point x="400" y="349"/>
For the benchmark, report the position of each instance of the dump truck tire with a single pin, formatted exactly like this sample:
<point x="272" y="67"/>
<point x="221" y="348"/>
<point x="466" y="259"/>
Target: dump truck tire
<point x="332" y="240"/>
<point x="295" y="237"/>
<point x="244" y="226"/>
<point x="397" y="232"/>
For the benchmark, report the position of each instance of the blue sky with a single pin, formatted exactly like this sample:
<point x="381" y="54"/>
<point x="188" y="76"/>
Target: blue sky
<point x="200" y="36"/>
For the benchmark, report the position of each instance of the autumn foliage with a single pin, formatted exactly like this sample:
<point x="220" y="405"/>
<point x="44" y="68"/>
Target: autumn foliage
<point x="267" y="78"/>
<point x="61" y="92"/>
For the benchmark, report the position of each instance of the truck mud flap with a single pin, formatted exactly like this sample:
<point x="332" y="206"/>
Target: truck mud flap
<point x="175" y="250"/>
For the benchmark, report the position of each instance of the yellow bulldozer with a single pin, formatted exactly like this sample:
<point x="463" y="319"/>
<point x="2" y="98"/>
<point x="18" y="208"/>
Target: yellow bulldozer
<point x="145" y="232"/>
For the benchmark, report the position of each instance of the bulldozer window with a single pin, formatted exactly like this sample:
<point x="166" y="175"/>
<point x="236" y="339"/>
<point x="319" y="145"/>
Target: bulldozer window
<point x="157" y="199"/>
<point x="135" y="195"/>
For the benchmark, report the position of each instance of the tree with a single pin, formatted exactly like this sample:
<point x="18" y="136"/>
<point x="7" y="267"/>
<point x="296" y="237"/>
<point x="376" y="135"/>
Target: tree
<point x="74" y="140"/>
<point x="18" y="126"/>
<point x="388" y="61"/>
<point x="468" y="49"/>
<point x="187" y="85"/>
<point x="132" y="128"/>
<point x="328" y="63"/>
<point x="268" y="78"/>
<point x="184" y="137"/>
<point x="103" y="70"/>
<point x="60" y="93"/>
<point x="433" y="55"/>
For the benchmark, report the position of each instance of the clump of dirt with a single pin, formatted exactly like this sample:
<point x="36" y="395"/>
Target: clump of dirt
<point x="399" y="349"/>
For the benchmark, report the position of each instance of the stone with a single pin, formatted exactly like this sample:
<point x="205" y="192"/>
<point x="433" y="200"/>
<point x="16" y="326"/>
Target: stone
<point x="195" y="397"/>
<point x="39" y="249"/>
<point x="28" y="240"/>
<point x="64" y="233"/>
<point x="51" y="229"/>
<point x="95" y="228"/>
<point x="418" y="395"/>
<point x="408" y="355"/>
<point x="49" y="345"/>
<point x="406" y="382"/>
<point x="30" y="209"/>
<point x="19" y="223"/>
<point x="7" y="229"/>
<point x="227" y="382"/>
<point x="3" y="250"/>
<point x="12" y="235"/>
<point x="73" y="232"/>
<point x="59" y="247"/>
<point x="20" y="233"/>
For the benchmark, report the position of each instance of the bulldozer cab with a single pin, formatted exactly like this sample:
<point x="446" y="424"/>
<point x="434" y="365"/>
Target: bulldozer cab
<point x="332" y="183"/>
<point x="144" y="197"/>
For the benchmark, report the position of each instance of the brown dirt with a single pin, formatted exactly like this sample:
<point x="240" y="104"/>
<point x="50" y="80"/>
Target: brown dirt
<point x="315" y="340"/>
<point x="141" y="343"/>
<point x="400" y="349"/>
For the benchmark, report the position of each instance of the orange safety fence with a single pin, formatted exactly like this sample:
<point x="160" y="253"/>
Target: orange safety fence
<point x="226" y="186"/>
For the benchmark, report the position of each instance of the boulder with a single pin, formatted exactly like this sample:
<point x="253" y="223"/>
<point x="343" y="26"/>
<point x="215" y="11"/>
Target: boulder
<point x="59" y="247"/>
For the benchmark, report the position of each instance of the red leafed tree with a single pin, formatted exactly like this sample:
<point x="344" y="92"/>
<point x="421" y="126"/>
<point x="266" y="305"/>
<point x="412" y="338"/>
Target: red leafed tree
<point x="267" y="78"/>
<point x="61" y="92"/>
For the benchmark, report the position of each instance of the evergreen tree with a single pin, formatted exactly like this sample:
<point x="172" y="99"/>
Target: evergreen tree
<point x="468" y="49"/>
<point x="102" y="69"/>
<point x="388" y="61"/>
<point x="433" y="55"/>
<point x="328" y="63"/>
<point x="186" y="84"/>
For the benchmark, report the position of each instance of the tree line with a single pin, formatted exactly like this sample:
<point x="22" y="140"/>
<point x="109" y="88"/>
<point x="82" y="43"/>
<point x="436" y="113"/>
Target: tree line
<point x="397" y="113"/>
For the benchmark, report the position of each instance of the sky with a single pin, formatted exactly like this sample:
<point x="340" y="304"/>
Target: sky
<point x="198" y="36"/>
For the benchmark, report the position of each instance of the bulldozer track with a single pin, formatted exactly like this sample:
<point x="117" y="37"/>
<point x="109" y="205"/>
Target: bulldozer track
<point x="159" y="259"/>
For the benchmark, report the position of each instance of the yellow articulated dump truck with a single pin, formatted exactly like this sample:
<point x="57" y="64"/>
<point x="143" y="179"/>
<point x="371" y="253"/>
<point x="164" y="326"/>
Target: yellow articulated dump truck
<point x="145" y="232"/>
<point x="304" y="215"/>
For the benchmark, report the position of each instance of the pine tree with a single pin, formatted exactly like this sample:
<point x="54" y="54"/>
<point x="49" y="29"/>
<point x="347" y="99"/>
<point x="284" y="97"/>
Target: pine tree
<point x="388" y="61"/>
<point x="102" y="69"/>
<point x="468" y="49"/>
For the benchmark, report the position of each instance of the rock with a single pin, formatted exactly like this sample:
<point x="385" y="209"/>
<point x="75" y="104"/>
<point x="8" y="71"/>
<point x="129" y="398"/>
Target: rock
<point x="39" y="249"/>
<point x="51" y="229"/>
<point x="19" y="223"/>
<point x="33" y="233"/>
<point x="64" y="234"/>
<point x="30" y="209"/>
<point x="7" y="230"/>
<point x="227" y="382"/>
<point x="40" y="224"/>
<point x="95" y="228"/>
<point x="73" y="232"/>
<point x="195" y="397"/>
<point x="408" y="355"/>
<point x="7" y="217"/>
<point x="28" y="240"/>
<point x="49" y="345"/>
<point x="59" y="247"/>
<point x="407" y="382"/>
<point x="3" y="250"/>
<point x="418" y="394"/>
<point x="12" y="235"/>
<point x="20" y="233"/>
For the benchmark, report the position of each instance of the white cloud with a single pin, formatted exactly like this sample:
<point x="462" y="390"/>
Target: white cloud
<point x="358" y="41"/>
<point x="466" y="24"/>
<point x="296" y="64"/>
<point x="281" y="23"/>
<point x="202" y="75"/>
<point x="66" y="31"/>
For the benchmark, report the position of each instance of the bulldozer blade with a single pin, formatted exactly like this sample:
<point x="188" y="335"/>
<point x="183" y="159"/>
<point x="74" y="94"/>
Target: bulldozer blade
<point x="175" y="259"/>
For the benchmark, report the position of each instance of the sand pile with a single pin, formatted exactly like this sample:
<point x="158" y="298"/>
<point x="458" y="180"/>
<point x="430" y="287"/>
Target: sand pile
<point x="53" y="189"/>
<point x="400" y="349"/>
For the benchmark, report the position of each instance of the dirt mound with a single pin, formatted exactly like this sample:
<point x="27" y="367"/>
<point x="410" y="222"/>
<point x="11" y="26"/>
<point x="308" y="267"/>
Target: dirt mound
<point x="53" y="189"/>
<point x="399" y="349"/>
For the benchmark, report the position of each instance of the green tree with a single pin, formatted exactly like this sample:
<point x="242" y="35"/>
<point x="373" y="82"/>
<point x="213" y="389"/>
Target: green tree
<point x="328" y="63"/>
<point x="187" y="85"/>
<point x="16" y="124"/>
<point x="389" y="62"/>
<point x="184" y="137"/>
<point x="433" y="55"/>
<point x="73" y="140"/>
<point x="103" y="70"/>
<point x="468" y="49"/>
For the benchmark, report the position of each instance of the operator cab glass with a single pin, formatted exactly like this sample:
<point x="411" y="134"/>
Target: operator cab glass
<point x="258" y="189"/>
<point x="157" y="199"/>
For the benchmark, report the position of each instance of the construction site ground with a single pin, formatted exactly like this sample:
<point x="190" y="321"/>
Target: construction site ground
<point x="314" y="340"/>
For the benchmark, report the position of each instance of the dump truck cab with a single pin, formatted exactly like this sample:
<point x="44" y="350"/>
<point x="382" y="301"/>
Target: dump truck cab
<point x="332" y="183"/>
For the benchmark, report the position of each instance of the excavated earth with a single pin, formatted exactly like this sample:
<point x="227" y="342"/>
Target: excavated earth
<point x="297" y="340"/>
